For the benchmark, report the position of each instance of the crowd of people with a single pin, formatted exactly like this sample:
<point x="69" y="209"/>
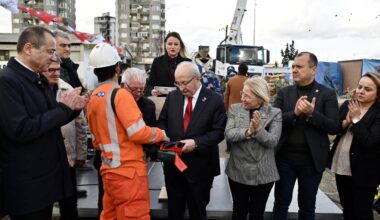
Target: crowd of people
<point x="45" y="117"/>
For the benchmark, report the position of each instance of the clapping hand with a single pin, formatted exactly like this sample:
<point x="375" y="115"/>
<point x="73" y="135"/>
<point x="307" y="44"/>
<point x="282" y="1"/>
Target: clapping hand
<point x="74" y="100"/>
<point x="354" y="110"/>
<point x="303" y="106"/>
<point x="254" y="124"/>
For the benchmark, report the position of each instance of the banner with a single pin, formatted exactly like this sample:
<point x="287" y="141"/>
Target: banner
<point x="330" y="75"/>
<point x="371" y="66"/>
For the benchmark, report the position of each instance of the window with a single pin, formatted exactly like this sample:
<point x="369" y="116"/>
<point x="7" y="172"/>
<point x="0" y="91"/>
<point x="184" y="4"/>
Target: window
<point x="123" y="7"/>
<point x="156" y="8"/>
<point x="123" y="16"/>
<point x="124" y="35"/>
<point x="156" y="17"/>
<point x="155" y="36"/>
<point x="4" y="55"/>
<point x="155" y="26"/>
<point x="146" y="46"/>
<point x="123" y="25"/>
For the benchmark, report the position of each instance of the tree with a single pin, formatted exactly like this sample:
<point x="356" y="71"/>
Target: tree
<point x="289" y="54"/>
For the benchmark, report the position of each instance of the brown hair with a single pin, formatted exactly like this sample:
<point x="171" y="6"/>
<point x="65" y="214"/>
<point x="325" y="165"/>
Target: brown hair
<point x="34" y="35"/>
<point x="182" y="51"/>
<point x="375" y="79"/>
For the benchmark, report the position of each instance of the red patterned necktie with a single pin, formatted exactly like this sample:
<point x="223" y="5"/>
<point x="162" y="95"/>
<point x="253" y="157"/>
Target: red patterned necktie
<point x="188" y="111"/>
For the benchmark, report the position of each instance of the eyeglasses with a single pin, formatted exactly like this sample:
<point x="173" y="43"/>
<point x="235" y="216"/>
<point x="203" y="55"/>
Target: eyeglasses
<point x="185" y="83"/>
<point x="134" y="90"/>
<point x="53" y="70"/>
<point x="245" y="96"/>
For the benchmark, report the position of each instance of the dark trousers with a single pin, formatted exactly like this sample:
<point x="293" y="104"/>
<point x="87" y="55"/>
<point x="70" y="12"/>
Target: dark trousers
<point x="68" y="206"/>
<point x="308" y="181"/>
<point x="180" y="192"/>
<point x="249" y="199"/>
<point x="43" y="214"/>
<point x="355" y="200"/>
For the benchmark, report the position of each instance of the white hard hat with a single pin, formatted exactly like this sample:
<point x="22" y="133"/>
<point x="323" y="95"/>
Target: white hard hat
<point x="103" y="55"/>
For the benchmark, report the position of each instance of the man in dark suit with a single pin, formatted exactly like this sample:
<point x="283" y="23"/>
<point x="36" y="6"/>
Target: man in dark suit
<point x="309" y="113"/>
<point x="195" y="116"/>
<point x="35" y="170"/>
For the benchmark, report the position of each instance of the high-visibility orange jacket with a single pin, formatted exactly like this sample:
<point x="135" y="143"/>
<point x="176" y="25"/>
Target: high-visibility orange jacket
<point x="119" y="137"/>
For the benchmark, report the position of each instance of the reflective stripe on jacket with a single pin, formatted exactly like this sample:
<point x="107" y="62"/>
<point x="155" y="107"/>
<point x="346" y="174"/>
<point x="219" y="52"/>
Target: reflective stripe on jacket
<point x="119" y="138"/>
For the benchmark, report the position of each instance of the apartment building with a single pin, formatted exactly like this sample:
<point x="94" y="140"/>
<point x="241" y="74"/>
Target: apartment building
<point x="141" y="26"/>
<point x="61" y="8"/>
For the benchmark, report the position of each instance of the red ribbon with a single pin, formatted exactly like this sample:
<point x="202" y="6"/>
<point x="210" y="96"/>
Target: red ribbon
<point x="177" y="160"/>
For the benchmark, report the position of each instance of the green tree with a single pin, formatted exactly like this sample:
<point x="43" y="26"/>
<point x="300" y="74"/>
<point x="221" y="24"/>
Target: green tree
<point x="288" y="54"/>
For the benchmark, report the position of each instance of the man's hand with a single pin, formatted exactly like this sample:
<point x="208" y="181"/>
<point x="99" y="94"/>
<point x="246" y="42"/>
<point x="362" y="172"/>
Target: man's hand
<point x="74" y="100"/>
<point x="189" y="145"/>
<point x="303" y="106"/>
<point x="297" y="108"/>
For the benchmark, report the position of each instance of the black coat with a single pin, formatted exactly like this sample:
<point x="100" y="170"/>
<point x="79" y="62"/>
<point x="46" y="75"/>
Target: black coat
<point x="69" y="73"/>
<point x="206" y="127"/>
<point x="148" y="110"/>
<point x="324" y="120"/>
<point x="160" y="73"/>
<point x="365" y="147"/>
<point x="33" y="157"/>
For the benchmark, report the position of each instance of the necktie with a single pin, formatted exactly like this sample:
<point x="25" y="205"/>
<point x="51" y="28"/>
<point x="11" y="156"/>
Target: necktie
<point x="188" y="111"/>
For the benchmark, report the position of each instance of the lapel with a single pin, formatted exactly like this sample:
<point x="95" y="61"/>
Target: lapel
<point x="178" y="113"/>
<point x="202" y="101"/>
<point x="368" y="118"/>
<point x="293" y="97"/>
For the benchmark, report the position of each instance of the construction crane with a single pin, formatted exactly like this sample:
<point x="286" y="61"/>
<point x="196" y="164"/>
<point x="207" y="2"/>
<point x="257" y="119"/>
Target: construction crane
<point x="231" y="52"/>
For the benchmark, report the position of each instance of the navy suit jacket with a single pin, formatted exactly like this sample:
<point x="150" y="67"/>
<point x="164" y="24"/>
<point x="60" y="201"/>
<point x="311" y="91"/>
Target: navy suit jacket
<point x="32" y="153"/>
<point x="206" y="127"/>
<point x="323" y="121"/>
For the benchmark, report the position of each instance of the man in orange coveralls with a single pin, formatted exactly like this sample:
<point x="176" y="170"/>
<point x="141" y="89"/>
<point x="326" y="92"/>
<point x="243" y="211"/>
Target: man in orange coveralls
<point x="119" y="132"/>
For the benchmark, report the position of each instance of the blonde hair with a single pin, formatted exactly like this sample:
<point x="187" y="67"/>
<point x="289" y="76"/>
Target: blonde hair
<point x="259" y="87"/>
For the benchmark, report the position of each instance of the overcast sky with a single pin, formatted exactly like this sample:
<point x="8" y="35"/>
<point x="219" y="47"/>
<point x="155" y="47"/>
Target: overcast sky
<point x="333" y="30"/>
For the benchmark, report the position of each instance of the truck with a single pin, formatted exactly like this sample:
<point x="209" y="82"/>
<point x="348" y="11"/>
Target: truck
<point x="231" y="52"/>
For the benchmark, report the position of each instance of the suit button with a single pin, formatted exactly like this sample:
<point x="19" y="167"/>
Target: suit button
<point x="352" y="153"/>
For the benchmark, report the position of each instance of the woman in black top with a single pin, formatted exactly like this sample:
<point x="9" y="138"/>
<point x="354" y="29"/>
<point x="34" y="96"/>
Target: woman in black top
<point x="356" y="150"/>
<point x="163" y="67"/>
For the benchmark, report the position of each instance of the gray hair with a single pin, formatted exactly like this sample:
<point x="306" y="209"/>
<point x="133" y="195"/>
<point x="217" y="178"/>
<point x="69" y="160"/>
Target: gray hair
<point x="259" y="87"/>
<point x="59" y="33"/>
<point x="135" y="73"/>
<point x="192" y="67"/>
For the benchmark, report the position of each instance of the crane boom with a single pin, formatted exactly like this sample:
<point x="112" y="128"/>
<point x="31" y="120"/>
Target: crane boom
<point x="232" y="53"/>
<point x="235" y="37"/>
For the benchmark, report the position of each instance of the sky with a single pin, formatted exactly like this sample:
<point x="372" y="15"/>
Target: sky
<point x="333" y="30"/>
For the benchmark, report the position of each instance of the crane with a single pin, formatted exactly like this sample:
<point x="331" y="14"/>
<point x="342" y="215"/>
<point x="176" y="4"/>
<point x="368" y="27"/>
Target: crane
<point x="235" y="36"/>
<point x="231" y="51"/>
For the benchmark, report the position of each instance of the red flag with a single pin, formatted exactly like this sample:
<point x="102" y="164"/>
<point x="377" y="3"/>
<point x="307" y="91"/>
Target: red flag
<point x="43" y="16"/>
<point x="83" y="36"/>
